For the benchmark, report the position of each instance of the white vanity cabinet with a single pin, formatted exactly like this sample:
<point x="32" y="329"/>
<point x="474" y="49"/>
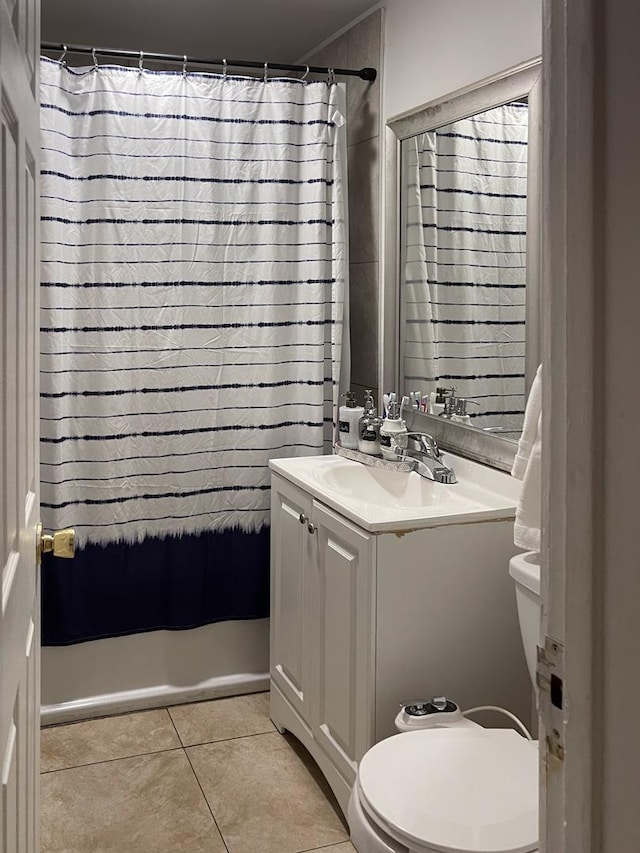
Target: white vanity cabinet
<point x="321" y="626"/>
<point x="291" y="596"/>
<point x="363" y="620"/>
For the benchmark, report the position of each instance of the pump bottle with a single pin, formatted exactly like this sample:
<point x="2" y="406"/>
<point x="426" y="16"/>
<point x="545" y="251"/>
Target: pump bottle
<point x="392" y="425"/>
<point x="348" y="419"/>
<point x="369" y="428"/>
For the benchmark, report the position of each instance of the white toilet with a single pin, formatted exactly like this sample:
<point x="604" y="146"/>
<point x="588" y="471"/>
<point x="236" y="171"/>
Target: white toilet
<point x="460" y="788"/>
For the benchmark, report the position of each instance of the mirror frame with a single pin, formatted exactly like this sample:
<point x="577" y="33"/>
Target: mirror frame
<point x="516" y="82"/>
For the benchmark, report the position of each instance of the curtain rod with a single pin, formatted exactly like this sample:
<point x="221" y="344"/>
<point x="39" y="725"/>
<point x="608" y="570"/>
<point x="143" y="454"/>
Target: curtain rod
<point x="363" y="73"/>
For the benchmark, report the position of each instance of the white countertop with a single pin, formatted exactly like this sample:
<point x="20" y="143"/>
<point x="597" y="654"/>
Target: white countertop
<point x="389" y="501"/>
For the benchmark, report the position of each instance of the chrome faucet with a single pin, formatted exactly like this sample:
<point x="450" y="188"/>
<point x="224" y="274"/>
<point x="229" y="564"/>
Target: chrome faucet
<point x="429" y="461"/>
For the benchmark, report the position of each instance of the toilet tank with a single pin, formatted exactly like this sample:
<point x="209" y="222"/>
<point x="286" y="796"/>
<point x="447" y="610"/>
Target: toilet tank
<point x="525" y="571"/>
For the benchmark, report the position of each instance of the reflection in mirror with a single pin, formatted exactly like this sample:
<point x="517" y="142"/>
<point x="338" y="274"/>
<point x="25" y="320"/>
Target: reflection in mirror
<point x="463" y="227"/>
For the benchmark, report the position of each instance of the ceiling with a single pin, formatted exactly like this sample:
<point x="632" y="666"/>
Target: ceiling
<point x="261" y="30"/>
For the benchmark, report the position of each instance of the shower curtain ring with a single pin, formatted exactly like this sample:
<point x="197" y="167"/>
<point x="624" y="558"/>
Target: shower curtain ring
<point x="184" y="65"/>
<point x="266" y="67"/>
<point x="224" y="69"/>
<point x="305" y="75"/>
<point x="331" y="76"/>
<point x="64" y="53"/>
<point x="140" y="68"/>
<point x="95" y="59"/>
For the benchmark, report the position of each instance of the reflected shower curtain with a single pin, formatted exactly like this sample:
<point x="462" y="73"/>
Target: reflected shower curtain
<point x="193" y="283"/>
<point x="465" y="262"/>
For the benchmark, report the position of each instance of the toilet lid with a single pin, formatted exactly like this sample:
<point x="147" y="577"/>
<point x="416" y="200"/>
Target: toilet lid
<point x="462" y="790"/>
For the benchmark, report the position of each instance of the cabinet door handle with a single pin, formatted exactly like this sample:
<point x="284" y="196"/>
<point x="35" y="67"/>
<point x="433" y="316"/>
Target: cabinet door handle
<point x="303" y="518"/>
<point x="311" y="527"/>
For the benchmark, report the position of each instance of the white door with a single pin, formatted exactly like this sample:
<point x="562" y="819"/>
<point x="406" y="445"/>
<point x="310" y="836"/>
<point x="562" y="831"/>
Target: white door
<point x="582" y="220"/>
<point x="290" y="596"/>
<point x="19" y="622"/>
<point x="344" y="601"/>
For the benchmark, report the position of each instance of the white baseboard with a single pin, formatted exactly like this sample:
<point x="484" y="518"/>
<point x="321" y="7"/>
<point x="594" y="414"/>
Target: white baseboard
<point x="152" y="697"/>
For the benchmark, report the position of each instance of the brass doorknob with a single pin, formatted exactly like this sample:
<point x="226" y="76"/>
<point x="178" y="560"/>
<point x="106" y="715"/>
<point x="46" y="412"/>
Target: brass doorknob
<point x="60" y="543"/>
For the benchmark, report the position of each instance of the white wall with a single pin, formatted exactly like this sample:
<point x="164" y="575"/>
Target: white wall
<point x="618" y="184"/>
<point x="433" y="47"/>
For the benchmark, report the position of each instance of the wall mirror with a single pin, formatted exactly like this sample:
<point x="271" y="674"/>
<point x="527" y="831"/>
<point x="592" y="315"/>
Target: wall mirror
<point x="461" y="298"/>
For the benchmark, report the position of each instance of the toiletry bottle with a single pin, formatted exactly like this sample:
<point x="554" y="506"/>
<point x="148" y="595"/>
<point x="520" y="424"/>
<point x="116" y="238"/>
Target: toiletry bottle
<point x="394" y="426"/>
<point x="437" y="400"/>
<point x="369" y="429"/>
<point x="348" y="418"/>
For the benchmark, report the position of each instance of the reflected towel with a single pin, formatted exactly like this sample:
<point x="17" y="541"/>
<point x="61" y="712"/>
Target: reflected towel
<point x="527" y="466"/>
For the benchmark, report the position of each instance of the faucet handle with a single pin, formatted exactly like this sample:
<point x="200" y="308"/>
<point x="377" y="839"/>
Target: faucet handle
<point x="430" y="443"/>
<point x="427" y="443"/>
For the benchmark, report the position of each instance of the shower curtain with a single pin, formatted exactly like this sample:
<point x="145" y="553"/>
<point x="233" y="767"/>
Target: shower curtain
<point x="465" y="269"/>
<point x="193" y="283"/>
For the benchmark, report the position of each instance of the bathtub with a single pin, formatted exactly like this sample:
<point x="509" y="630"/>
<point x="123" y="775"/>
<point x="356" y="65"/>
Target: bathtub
<point x="154" y="669"/>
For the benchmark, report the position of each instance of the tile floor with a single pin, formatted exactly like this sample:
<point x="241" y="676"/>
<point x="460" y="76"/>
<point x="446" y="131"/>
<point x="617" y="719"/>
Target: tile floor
<point x="211" y="777"/>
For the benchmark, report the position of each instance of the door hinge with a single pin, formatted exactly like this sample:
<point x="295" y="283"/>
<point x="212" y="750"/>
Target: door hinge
<point x="550" y="681"/>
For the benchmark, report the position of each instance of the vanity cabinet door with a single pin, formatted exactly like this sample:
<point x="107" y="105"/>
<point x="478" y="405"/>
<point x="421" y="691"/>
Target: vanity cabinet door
<point x="344" y="586"/>
<point x="291" y="554"/>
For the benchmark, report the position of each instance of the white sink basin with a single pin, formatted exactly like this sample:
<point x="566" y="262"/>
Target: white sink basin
<point x="378" y="499"/>
<point x="380" y="487"/>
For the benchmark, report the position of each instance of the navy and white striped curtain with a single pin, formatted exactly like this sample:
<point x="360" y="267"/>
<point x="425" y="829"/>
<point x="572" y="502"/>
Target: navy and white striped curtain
<point x="193" y="282"/>
<point x="463" y="289"/>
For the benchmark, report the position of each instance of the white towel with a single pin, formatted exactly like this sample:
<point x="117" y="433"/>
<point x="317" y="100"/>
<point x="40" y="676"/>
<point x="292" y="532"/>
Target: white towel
<point x="527" y="466"/>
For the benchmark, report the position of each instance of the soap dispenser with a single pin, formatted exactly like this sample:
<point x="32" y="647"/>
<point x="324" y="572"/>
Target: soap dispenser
<point x="437" y="401"/>
<point x="392" y="426"/>
<point x="348" y="419"/>
<point x="460" y="414"/>
<point x="369" y="428"/>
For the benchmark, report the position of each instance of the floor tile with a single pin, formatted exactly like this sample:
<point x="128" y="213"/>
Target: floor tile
<point x="267" y="795"/>
<point x="102" y="740"/>
<point x="205" y="722"/>
<point x="347" y="847"/>
<point x="145" y="804"/>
